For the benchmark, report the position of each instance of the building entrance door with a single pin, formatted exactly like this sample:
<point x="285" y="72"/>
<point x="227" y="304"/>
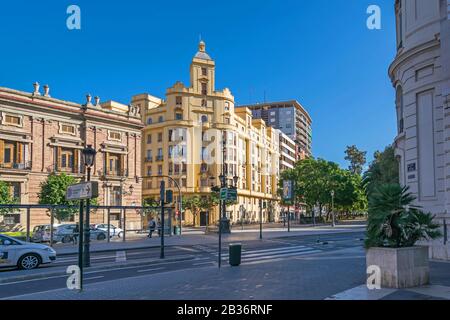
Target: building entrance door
<point x="203" y="219"/>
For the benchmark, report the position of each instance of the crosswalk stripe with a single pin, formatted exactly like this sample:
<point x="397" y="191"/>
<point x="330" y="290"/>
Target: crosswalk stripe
<point x="268" y="251"/>
<point x="278" y="253"/>
<point x="245" y="259"/>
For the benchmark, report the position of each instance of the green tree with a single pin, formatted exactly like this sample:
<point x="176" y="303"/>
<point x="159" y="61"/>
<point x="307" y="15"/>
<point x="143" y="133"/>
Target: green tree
<point x="382" y="170"/>
<point x="357" y="159"/>
<point x="394" y="221"/>
<point x="6" y="197"/>
<point x="53" y="192"/>
<point x="194" y="204"/>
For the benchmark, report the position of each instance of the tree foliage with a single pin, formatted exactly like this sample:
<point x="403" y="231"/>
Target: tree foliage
<point x="315" y="179"/>
<point x="53" y="192"/>
<point x="394" y="221"/>
<point x="382" y="170"/>
<point x="6" y="197"/>
<point x="357" y="159"/>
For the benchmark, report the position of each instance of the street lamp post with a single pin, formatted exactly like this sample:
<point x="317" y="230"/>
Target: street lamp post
<point x="260" y="218"/>
<point x="89" y="158"/>
<point x="332" y="208"/>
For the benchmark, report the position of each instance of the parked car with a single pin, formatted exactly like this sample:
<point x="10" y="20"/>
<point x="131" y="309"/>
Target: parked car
<point x="24" y="255"/>
<point x="113" y="230"/>
<point x="63" y="233"/>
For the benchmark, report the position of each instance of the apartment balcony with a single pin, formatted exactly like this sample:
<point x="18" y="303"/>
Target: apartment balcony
<point x="115" y="173"/>
<point x="16" y="166"/>
<point x="159" y="158"/>
<point x="148" y="159"/>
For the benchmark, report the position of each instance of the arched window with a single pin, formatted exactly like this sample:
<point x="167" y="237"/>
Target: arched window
<point x="149" y="120"/>
<point x="204" y="118"/>
<point x="161" y="119"/>
<point x="399" y="108"/>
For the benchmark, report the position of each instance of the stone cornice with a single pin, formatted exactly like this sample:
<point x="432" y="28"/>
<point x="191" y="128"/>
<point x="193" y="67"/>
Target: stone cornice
<point x="405" y="55"/>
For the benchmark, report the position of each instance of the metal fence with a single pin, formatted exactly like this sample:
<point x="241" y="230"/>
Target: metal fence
<point x="107" y="212"/>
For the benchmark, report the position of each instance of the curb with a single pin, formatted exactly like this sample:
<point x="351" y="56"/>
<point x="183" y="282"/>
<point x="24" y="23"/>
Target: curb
<point x="86" y="270"/>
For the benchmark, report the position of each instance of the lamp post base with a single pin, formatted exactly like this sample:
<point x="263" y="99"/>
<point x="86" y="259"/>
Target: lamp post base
<point x="226" y="226"/>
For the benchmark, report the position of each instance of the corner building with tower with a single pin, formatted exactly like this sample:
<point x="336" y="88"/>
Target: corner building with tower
<point x="183" y="139"/>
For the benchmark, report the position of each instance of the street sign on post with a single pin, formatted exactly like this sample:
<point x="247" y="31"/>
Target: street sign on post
<point x="223" y="193"/>
<point x="232" y="194"/>
<point x="82" y="191"/>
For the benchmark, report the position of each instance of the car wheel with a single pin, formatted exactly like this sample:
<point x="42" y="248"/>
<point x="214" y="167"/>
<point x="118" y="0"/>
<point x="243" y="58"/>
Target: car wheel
<point x="101" y="236"/>
<point x="66" y="239"/>
<point x="120" y="234"/>
<point x="29" y="261"/>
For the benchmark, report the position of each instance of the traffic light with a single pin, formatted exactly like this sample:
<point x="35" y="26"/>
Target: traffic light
<point x="169" y="196"/>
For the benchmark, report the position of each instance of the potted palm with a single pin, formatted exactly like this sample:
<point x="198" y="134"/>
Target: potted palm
<point x="394" y="227"/>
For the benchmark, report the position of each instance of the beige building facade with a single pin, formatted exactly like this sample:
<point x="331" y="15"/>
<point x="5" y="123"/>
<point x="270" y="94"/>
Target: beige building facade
<point x="183" y="139"/>
<point x="420" y="74"/>
<point x="40" y="135"/>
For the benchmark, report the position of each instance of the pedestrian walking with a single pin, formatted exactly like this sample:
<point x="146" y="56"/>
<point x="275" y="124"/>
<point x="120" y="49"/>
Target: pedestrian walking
<point x="151" y="228"/>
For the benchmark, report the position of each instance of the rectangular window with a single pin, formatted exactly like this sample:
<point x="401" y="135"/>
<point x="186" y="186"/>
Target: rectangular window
<point x="204" y="72"/>
<point x="160" y="170"/>
<point x="114" y="135"/>
<point x="178" y="116"/>
<point x="178" y="101"/>
<point x="160" y="135"/>
<point x="66" y="128"/>
<point x="13" y="120"/>
<point x="149" y="138"/>
<point x="149" y="170"/>
<point x="204" y="89"/>
<point x="183" y="182"/>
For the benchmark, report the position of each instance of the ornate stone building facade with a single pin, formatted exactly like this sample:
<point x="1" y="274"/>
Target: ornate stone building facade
<point x="183" y="139"/>
<point x="420" y="74"/>
<point x="40" y="135"/>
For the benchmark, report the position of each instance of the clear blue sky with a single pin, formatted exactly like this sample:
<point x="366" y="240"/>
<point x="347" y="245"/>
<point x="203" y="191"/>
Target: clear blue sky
<point x="319" y="52"/>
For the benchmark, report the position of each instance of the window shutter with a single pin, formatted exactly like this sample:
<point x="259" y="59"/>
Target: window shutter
<point x="76" y="166"/>
<point x="19" y="152"/>
<point x="58" y="159"/>
<point x="2" y="151"/>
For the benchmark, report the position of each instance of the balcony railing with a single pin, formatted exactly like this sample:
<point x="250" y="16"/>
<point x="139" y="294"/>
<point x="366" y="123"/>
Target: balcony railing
<point x="149" y="159"/>
<point x="116" y="173"/>
<point x="17" y="166"/>
<point x="159" y="158"/>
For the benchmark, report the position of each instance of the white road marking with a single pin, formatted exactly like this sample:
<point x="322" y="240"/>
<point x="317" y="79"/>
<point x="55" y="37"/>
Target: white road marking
<point x="31" y="280"/>
<point x="149" y="270"/>
<point x="92" y="278"/>
<point x="202" y="263"/>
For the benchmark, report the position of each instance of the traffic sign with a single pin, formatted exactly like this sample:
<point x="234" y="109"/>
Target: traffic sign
<point x="223" y="193"/>
<point x="81" y="191"/>
<point x="232" y="194"/>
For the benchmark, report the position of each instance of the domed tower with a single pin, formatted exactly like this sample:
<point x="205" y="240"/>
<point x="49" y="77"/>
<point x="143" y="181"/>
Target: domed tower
<point x="420" y="75"/>
<point x="203" y="71"/>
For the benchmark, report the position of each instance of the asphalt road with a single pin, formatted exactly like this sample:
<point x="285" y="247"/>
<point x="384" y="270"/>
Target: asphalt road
<point x="187" y="258"/>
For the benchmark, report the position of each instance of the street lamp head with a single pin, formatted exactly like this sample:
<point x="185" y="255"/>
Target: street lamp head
<point x="131" y="189"/>
<point x="332" y="193"/>
<point x="235" y="179"/>
<point x="222" y="179"/>
<point x="89" y="155"/>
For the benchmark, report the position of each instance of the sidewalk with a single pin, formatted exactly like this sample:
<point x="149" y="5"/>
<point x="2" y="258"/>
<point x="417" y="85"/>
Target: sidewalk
<point x="317" y="277"/>
<point x="195" y="238"/>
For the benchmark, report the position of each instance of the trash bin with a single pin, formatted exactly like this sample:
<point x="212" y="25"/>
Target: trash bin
<point x="176" y="230"/>
<point x="235" y="254"/>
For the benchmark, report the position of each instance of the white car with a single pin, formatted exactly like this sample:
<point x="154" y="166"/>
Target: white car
<point x="113" y="230"/>
<point x="24" y="255"/>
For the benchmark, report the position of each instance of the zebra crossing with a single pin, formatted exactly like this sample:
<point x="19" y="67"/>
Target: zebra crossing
<point x="264" y="255"/>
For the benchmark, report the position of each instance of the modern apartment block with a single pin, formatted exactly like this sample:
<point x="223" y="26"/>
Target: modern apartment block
<point x="291" y="118"/>
<point x="287" y="152"/>
<point x="420" y="74"/>
<point x="40" y="135"/>
<point x="183" y="139"/>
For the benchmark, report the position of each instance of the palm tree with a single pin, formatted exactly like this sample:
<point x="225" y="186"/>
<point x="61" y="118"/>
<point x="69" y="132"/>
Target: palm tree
<point x="394" y="221"/>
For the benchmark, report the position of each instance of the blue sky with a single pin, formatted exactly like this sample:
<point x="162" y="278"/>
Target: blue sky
<point x="318" y="52"/>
